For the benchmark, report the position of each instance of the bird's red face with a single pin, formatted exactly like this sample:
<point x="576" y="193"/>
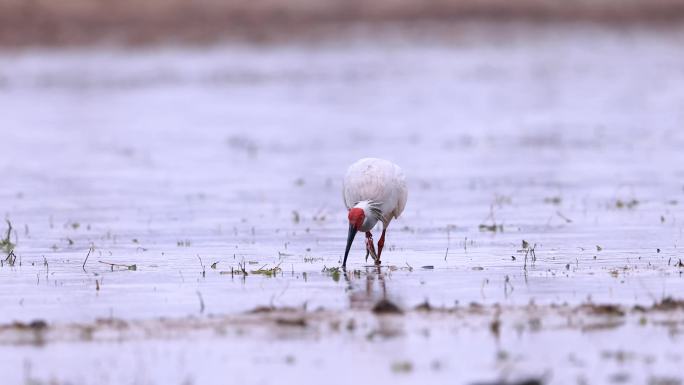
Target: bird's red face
<point x="356" y="217"/>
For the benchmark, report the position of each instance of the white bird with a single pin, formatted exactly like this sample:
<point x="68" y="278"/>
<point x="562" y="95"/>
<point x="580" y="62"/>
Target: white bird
<point x="373" y="190"/>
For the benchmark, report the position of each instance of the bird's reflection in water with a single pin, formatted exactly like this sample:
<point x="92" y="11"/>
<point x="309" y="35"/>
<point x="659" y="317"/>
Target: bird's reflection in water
<point x="367" y="289"/>
<point x="366" y="286"/>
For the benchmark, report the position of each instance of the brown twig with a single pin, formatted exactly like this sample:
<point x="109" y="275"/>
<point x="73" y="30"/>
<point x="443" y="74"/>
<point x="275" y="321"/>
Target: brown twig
<point x="113" y="265"/>
<point x="86" y="258"/>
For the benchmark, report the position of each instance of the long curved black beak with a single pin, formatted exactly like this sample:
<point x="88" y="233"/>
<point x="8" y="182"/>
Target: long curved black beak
<point x="350" y="239"/>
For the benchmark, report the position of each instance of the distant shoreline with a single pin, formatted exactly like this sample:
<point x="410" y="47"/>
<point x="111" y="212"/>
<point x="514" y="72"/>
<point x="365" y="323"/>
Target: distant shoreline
<point x="128" y="22"/>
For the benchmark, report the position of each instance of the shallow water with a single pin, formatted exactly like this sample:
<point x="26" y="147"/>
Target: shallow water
<point x="568" y="137"/>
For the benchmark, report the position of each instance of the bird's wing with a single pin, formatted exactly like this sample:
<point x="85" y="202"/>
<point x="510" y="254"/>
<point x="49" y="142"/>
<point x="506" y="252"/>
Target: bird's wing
<point x="348" y="201"/>
<point x="365" y="180"/>
<point x="376" y="180"/>
<point x="402" y="190"/>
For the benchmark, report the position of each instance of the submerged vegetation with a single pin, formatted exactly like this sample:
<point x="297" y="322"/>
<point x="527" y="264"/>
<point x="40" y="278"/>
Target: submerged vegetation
<point x="333" y="272"/>
<point x="10" y="260"/>
<point x="268" y="272"/>
<point x="629" y="204"/>
<point x="529" y="251"/>
<point x="113" y="266"/>
<point x="5" y="244"/>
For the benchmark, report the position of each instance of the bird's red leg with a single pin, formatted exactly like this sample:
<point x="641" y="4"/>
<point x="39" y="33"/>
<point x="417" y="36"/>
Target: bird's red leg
<point x="370" y="247"/>
<point x="381" y="244"/>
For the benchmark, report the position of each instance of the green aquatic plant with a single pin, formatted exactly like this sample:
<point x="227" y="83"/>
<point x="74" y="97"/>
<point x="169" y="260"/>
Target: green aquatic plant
<point x="5" y="244"/>
<point x="267" y="272"/>
<point x="493" y="228"/>
<point x="120" y="266"/>
<point x="626" y="204"/>
<point x="12" y="259"/>
<point x="529" y="251"/>
<point x="402" y="367"/>
<point x="333" y="272"/>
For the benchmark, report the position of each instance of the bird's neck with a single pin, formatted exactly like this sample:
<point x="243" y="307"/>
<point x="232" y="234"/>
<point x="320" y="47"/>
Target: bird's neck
<point x="372" y="213"/>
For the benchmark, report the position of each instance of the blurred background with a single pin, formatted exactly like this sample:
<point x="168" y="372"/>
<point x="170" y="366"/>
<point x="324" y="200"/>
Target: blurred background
<point x="177" y="135"/>
<point x="47" y="22"/>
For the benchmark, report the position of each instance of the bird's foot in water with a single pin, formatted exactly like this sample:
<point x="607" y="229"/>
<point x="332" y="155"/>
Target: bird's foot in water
<point x="370" y="250"/>
<point x="376" y="259"/>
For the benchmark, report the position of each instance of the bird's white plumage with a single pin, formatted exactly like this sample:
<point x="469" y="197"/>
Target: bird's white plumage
<point x="376" y="180"/>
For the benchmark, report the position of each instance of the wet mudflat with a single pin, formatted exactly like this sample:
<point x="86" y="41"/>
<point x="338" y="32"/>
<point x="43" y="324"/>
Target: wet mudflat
<point x="543" y="226"/>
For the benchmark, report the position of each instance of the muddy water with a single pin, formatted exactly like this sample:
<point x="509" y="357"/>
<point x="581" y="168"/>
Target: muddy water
<point x="174" y="159"/>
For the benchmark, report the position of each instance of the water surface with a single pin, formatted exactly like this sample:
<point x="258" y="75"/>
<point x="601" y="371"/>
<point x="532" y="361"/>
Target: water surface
<point x="174" y="159"/>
